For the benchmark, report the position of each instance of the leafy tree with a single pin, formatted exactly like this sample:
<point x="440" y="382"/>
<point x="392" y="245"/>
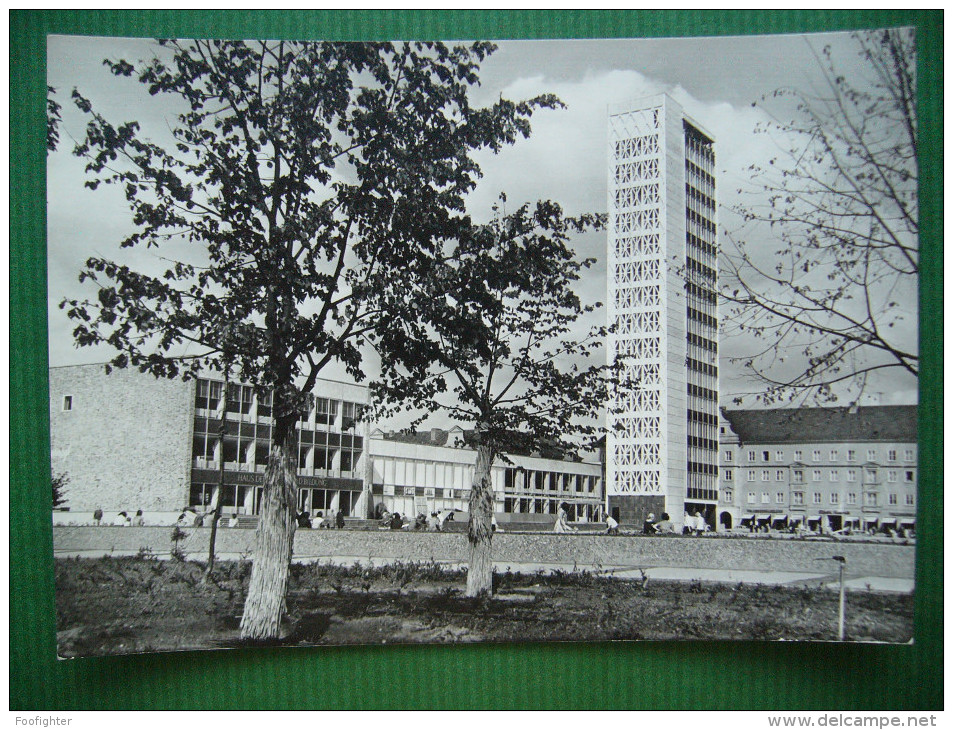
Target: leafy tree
<point x="484" y="331"/>
<point x="60" y="482"/>
<point x="295" y="179"/>
<point x="842" y="201"/>
<point x="53" y="120"/>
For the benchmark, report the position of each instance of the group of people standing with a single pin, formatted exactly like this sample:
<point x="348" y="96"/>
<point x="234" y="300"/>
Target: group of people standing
<point x="334" y="518"/>
<point x="122" y="519"/>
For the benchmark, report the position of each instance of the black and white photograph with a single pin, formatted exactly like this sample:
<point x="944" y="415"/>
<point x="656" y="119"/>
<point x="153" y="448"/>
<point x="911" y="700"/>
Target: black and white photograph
<point x="482" y="341"/>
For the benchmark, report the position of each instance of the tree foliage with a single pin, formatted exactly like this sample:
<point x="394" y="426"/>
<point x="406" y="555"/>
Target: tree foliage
<point x="59" y="483"/>
<point x="54" y="118"/>
<point x="294" y="179"/>
<point x="485" y="332"/>
<point x="828" y="306"/>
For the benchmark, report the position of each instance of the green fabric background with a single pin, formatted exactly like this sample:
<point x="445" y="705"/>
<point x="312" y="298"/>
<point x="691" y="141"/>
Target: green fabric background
<point x="682" y="675"/>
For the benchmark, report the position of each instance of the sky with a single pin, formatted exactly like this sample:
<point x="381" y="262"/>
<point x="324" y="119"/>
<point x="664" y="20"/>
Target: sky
<point x="716" y="80"/>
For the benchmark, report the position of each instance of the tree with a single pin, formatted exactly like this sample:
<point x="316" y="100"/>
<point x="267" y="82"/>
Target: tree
<point x="842" y="200"/>
<point x="59" y="482"/>
<point x="53" y="120"/>
<point x="483" y="331"/>
<point x="294" y="178"/>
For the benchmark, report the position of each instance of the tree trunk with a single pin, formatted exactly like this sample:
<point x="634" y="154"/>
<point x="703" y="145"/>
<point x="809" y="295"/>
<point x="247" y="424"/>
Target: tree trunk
<point x="479" y="529"/>
<point x="276" y="524"/>
<point x="219" y="496"/>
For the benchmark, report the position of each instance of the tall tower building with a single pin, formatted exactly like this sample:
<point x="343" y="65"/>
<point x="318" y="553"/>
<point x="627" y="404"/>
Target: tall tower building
<point x="662" y="447"/>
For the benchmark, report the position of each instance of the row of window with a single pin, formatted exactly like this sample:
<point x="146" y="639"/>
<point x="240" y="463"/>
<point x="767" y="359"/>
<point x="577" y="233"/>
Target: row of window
<point x="697" y="267"/>
<point x="870" y="498"/>
<point x="797" y="475"/>
<point x="241" y="399"/>
<point x="703" y="342"/>
<point x="515" y="479"/>
<point x="702" y="367"/>
<point x="702" y="245"/>
<point x="833" y="455"/>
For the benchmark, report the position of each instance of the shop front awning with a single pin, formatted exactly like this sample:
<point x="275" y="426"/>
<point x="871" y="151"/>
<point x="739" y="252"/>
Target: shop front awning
<point x="814" y="518"/>
<point x="779" y="518"/>
<point x="747" y="517"/>
<point x="764" y="518"/>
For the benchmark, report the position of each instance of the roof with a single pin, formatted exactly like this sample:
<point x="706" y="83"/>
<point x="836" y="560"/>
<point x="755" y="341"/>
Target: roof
<point x="817" y="425"/>
<point x="441" y="437"/>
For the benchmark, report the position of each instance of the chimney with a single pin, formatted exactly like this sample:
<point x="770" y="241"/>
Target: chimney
<point x="435" y="435"/>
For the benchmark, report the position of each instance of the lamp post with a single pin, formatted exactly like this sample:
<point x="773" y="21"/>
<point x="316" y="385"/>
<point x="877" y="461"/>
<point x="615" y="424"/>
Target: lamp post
<point x="842" y="564"/>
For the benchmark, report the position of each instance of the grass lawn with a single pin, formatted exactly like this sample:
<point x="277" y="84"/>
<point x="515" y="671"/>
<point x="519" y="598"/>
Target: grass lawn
<point x="137" y="604"/>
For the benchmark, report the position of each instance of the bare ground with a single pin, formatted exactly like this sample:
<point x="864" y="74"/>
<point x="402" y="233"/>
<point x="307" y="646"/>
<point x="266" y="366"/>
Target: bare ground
<point x="130" y="605"/>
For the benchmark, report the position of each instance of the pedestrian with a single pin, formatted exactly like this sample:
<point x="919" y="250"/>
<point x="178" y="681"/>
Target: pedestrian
<point x="396" y="521"/>
<point x="562" y="520"/>
<point x="122" y="520"/>
<point x="433" y="522"/>
<point x="612" y="527"/>
<point x="649" y="527"/>
<point x="98" y="516"/>
<point x="700" y="525"/>
<point x="339" y="519"/>
<point x="138" y="520"/>
<point x="304" y="519"/>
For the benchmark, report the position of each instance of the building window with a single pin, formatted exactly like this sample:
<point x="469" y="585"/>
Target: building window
<point x="67" y="402"/>
<point x="870" y="476"/>
<point x="729" y="475"/>
<point x="765" y="476"/>
<point x="729" y="456"/>
<point x="908" y="476"/>
<point x="765" y="498"/>
<point x="908" y="499"/>
<point x="779" y="456"/>
<point x="834" y="454"/>
<point x="892" y="498"/>
<point x="851" y="455"/>
<point x="852" y="475"/>
<point x="870" y="499"/>
<point x="727" y="495"/>
<point x="751" y="456"/>
<point x="750" y="497"/>
<point x="779" y="497"/>
<point x="816" y="455"/>
<point x="798" y="476"/>
<point x="798" y="497"/>
<point x="779" y="475"/>
<point x="852" y="498"/>
<point x="816" y="475"/>
<point x="871" y="455"/>
<point x="207" y="394"/>
<point x="765" y="456"/>
<point x="908" y="455"/>
<point x="817" y="497"/>
<point x="797" y="455"/>
<point x="891" y="476"/>
<point x="835" y="498"/>
<point x="750" y="475"/>
<point x="892" y="455"/>
<point x="835" y="475"/>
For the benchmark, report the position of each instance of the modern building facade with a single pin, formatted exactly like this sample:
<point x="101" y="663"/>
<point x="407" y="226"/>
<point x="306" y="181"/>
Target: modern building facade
<point x="824" y="469"/>
<point x="129" y="441"/>
<point x="662" y="446"/>
<point x="416" y="473"/>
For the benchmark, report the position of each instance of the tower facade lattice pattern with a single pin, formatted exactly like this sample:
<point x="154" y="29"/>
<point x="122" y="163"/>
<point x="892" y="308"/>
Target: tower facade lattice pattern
<point x="662" y="256"/>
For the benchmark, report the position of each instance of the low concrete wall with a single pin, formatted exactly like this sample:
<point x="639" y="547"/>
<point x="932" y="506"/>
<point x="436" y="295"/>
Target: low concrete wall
<point x="585" y="551"/>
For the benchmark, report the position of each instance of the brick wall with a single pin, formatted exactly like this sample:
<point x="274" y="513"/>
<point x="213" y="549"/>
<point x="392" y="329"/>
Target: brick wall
<point x="125" y="442"/>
